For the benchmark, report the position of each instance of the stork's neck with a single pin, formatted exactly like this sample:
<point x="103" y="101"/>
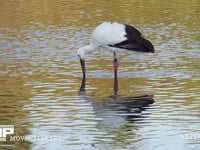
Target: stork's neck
<point x="85" y="50"/>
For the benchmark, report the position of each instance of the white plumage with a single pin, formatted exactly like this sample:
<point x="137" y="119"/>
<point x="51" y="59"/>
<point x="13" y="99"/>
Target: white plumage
<point x="108" y="34"/>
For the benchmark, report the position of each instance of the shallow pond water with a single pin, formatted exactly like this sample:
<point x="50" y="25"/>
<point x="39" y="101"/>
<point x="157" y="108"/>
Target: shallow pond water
<point x="156" y="106"/>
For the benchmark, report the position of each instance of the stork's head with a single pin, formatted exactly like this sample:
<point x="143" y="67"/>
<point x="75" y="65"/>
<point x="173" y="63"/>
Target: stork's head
<point x="81" y="53"/>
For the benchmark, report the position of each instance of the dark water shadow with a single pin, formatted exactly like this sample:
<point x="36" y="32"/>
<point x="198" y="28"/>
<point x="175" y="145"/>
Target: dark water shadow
<point x="128" y="107"/>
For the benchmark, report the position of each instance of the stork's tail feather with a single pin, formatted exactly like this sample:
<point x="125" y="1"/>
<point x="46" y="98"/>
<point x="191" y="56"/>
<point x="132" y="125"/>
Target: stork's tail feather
<point x="146" y="44"/>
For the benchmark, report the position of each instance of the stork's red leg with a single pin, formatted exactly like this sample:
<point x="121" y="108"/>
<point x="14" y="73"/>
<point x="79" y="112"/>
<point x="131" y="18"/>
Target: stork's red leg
<point x="115" y="63"/>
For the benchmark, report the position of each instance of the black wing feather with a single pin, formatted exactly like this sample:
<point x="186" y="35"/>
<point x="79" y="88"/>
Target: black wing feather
<point x="134" y="41"/>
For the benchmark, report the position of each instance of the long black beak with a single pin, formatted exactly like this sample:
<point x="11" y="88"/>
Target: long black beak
<point x="82" y="61"/>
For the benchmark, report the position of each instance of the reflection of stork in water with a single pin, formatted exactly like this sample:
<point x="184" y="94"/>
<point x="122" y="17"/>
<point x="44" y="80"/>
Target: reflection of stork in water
<point x="128" y="107"/>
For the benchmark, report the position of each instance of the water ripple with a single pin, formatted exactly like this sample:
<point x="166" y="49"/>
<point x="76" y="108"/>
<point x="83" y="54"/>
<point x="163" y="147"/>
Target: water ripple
<point x="157" y="102"/>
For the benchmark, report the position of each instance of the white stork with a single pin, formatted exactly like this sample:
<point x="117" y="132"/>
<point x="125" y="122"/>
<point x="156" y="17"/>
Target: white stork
<point x="112" y="36"/>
